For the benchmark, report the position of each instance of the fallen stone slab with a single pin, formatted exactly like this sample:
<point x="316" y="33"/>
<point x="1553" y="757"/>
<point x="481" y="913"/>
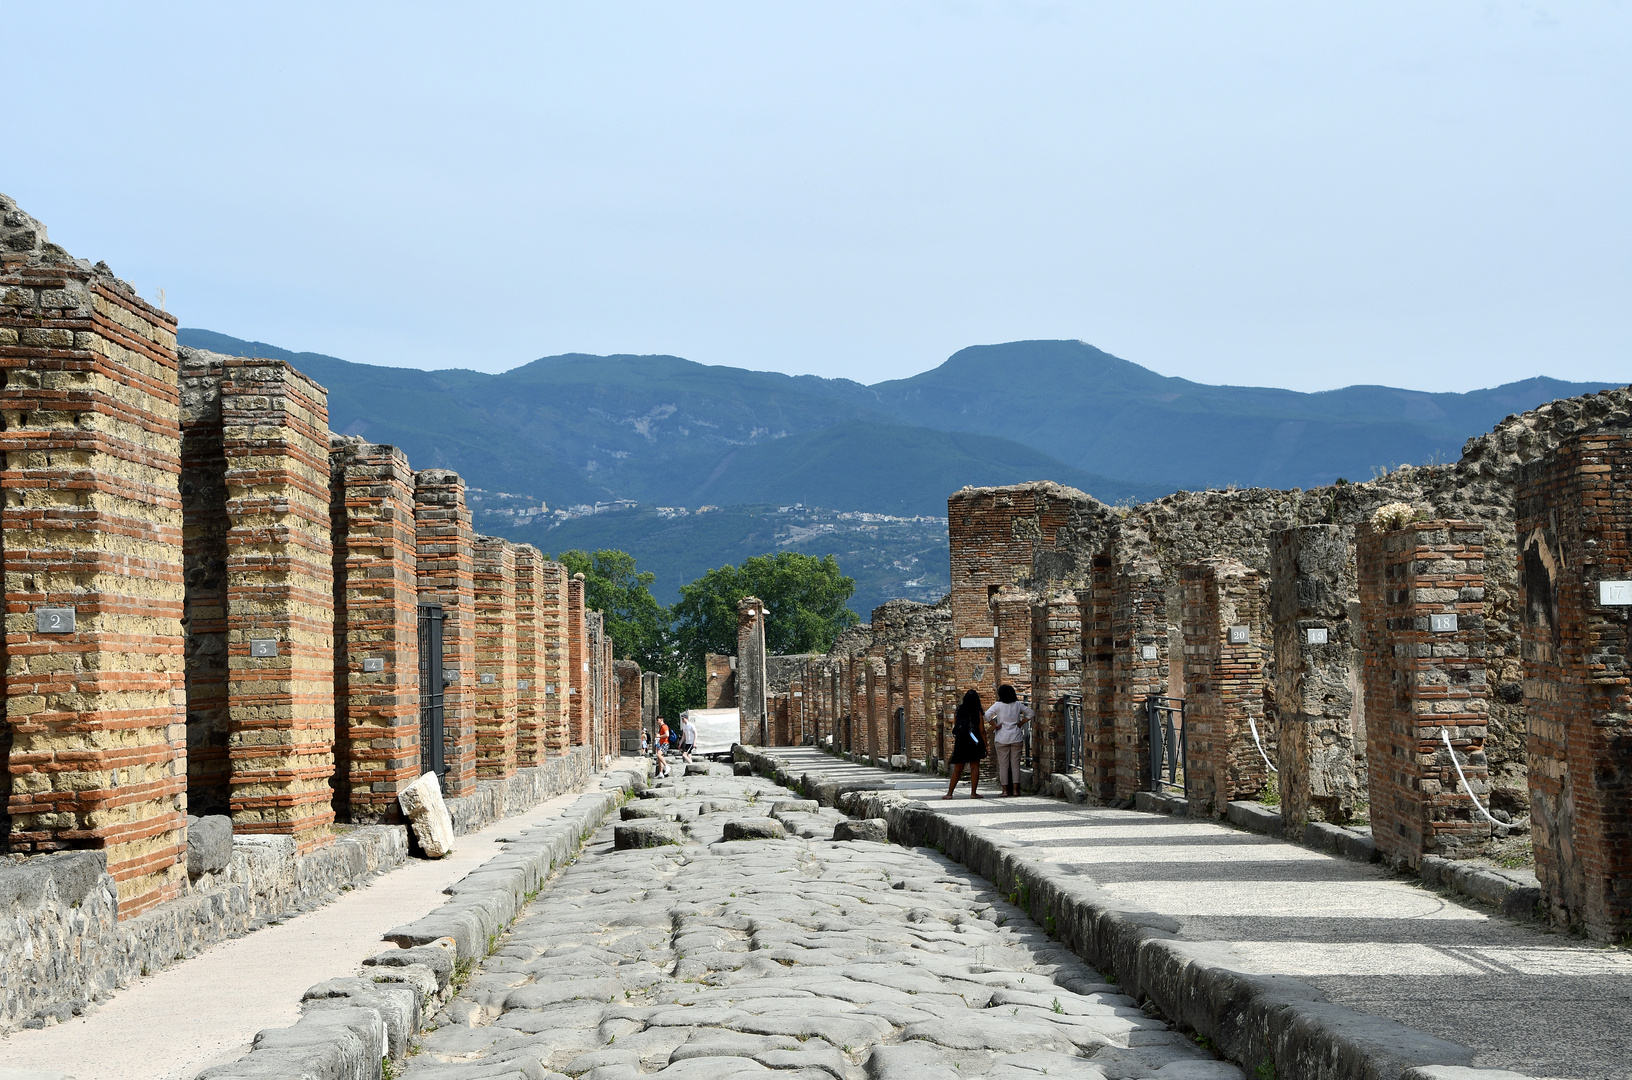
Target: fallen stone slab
<point x="640" y="811"/>
<point x="755" y="829"/>
<point x="439" y="956"/>
<point x="422" y="805"/>
<point x="741" y="768"/>
<point x="794" y="806"/>
<point x="645" y="834"/>
<point x="876" y="830"/>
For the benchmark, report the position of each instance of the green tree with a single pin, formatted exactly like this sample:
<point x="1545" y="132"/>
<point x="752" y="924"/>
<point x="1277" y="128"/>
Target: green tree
<point x="636" y="622"/>
<point x="805" y="600"/>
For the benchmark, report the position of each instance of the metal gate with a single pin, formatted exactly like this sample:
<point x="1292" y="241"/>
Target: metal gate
<point x="1071" y="707"/>
<point x="430" y="690"/>
<point x="900" y="730"/>
<point x="1167" y="751"/>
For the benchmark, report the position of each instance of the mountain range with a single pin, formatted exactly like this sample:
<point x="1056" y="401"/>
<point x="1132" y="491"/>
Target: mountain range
<point x="787" y="455"/>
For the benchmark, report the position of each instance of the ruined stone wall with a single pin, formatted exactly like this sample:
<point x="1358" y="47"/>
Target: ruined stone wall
<point x="1422" y="679"/>
<point x="1139" y="642"/>
<point x="1321" y="763"/>
<point x="494" y="577"/>
<point x="280" y="600"/>
<point x="751" y="670"/>
<point x="376" y="608"/>
<point x="1575" y="535"/>
<point x="91" y="524"/>
<point x="446" y="569"/>
<point x="532" y="718"/>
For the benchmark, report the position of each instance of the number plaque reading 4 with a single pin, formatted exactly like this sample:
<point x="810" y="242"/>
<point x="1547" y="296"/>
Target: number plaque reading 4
<point x="54" y="620"/>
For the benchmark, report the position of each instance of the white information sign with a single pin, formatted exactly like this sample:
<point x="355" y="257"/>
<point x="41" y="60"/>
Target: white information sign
<point x="976" y="642"/>
<point x="1615" y="593"/>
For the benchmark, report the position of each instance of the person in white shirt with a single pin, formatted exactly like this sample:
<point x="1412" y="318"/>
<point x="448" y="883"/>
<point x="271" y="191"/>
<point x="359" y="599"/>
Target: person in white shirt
<point x="688" y="737"/>
<point x="1009" y="716"/>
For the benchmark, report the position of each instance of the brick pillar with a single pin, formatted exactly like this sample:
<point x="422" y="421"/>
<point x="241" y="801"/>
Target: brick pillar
<point x="446" y="577"/>
<point x="576" y="683"/>
<point x="918" y="685"/>
<point x="553" y="620"/>
<point x="532" y="717"/>
<point x="1011" y="615"/>
<point x="721" y="692"/>
<point x="1056" y="650"/>
<point x="1224" y="683"/>
<point x="494" y="573"/>
<point x="204" y="557"/>
<point x="875" y="700"/>
<point x="606" y="690"/>
<point x="1574" y="520"/>
<point x="1316" y="677"/>
<point x="751" y="669"/>
<point x="1139" y="666"/>
<point x="91" y="523"/>
<point x="376" y="606"/>
<point x="650" y="702"/>
<point x="893" y="697"/>
<point x="796" y="706"/>
<point x="1420" y="681"/>
<point x="280" y="600"/>
<point x="626" y="680"/>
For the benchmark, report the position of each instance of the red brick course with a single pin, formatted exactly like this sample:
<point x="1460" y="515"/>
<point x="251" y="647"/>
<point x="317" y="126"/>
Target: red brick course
<point x="1224" y="683"/>
<point x="494" y="577"/>
<point x="445" y="566"/>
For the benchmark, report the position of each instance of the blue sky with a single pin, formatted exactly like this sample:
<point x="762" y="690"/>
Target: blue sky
<point x="1291" y="194"/>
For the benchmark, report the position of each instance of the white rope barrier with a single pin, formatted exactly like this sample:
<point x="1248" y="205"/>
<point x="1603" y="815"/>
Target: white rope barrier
<point x="1260" y="746"/>
<point x="1466" y="790"/>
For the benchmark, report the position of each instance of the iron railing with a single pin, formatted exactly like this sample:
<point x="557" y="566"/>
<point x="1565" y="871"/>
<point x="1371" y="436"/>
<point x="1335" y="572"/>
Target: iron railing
<point x="900" y="730"/>
<point x="1071" y="715"/>
<point x="1167" y="750"/>
<point x="431" y="690"/>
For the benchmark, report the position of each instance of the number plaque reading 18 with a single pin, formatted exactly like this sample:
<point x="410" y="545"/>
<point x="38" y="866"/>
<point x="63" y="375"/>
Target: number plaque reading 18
<point x="54" y="620"/>
<point x="1442" y="624"/>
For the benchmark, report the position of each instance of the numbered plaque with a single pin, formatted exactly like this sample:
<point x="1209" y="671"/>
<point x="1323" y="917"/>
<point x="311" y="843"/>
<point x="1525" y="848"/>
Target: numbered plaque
<point x="54" y="620"/>
<point x="1147" y="652"/>
<point x="1442" y="624"/>
<point x="524" y="684"/>
<point x="374" y="663"/>
<point x="1315" y="635"/>
<point x="1610" y="594"/>
<point x="263" y="646"/>
<point x="1240" y="635"/>
<point x="487" y="679"/>
<point x="1062" y="665"/>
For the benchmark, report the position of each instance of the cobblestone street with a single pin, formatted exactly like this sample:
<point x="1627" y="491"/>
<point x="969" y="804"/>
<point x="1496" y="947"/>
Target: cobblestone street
<point x="821" y="959"/>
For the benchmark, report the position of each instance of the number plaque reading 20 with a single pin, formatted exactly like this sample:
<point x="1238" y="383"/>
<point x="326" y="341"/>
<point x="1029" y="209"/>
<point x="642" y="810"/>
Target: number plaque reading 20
<point x="54" y="620"/>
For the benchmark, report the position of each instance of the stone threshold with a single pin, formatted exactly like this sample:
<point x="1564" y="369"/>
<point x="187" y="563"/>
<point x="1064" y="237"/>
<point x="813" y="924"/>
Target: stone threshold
<point x="1251" y="1019"/>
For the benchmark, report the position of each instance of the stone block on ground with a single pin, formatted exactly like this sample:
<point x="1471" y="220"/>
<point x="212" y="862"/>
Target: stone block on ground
<point x="698" y="768"/>
<point x="645" y="834"/>
<point x="422" y="805"/>
<point x="440" y="956"/>
<point x="209" y="844"/>
<point x="876" y="830"/>
<point x="742" y="768"/>
<point x="755" y="829"/>
<point x="795" y="806"/>
<point x="644" y="811"/>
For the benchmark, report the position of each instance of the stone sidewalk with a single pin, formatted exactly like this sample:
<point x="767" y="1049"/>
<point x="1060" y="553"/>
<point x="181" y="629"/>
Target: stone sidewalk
<point x="788" y="955"/>
<point x="206" y="1010"/>
<point x="1517" y="995"/>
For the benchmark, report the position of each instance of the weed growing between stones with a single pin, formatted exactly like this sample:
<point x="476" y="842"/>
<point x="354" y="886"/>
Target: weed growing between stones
<point x="388" y="1071"/>
<point x="1265" y="1069"/>
<point x="1271" y="793"/>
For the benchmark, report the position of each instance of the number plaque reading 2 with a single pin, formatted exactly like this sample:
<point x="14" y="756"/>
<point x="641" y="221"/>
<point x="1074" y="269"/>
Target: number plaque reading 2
<point x="54" y="620"/>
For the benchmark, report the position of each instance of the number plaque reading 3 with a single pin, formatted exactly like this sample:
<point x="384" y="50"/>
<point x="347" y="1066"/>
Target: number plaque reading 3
<point x="263" y="646"/>
<point x="54" y="620"/>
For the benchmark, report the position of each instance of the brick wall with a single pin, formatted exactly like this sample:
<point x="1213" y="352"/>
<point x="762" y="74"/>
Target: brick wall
<point x="1095" y="608"/>
<point x="494" y="575"/>
<point x="1316" y="680"/>
<point x="1224" y="683"/>
<point x="874" y="736"/>
<point x="1420" y="682"/>
<point x="1011" y="616"/>
<point x="1574" y="521"/>
<point x="532" y="706"/>
<point x="445" y="565"/>
<point x="91" y="521"/>
<point x="280" y="599"/>
<point x="376" y="606"/>
<point x="722" y="681"/>
<point x="1139" y="666"/>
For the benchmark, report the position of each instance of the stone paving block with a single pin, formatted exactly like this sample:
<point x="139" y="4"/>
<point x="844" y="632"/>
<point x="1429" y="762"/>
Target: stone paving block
<point x="754" y="829"/>
<point x="645" y="834"/>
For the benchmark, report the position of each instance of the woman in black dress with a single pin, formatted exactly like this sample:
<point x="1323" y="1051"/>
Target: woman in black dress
<point x="968" y="744"/>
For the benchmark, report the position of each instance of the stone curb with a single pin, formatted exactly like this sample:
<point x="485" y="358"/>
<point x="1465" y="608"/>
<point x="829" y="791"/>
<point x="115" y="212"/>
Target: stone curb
<point x="1252" y="1019"/>
<point x="349" y="1025"/>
